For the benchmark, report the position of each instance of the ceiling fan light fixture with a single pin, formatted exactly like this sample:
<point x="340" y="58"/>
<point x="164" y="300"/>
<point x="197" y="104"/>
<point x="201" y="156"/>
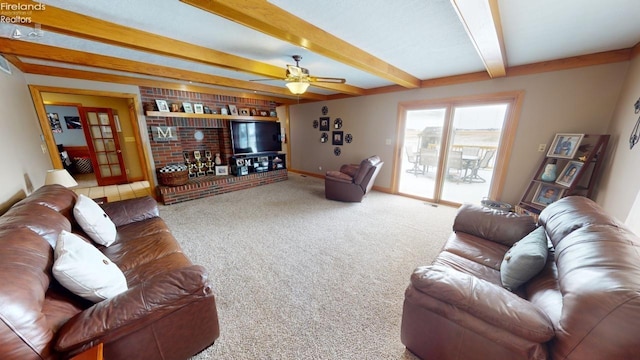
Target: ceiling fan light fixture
<point x="297" y="87"/>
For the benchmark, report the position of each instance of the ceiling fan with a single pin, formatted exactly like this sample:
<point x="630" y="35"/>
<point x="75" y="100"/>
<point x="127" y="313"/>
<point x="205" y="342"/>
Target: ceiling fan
<point x="298" y="78"/>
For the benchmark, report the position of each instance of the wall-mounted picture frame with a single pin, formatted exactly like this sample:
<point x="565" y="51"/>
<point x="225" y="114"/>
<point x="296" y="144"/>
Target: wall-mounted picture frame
<point x="222" y="170"/>
<point x="73" y="122"/>
<point x="187" y="107"/>
<point x="546" y="194"/>
<point x="324" y="123"/>
<point x="198" y="108"/>
<point x="565" y="146"/>
<point x="244" y="111"/>
<point x="233" y="110"/>
<point x="162" y="105"/>
<point x="337" y="138"/>
<point x="568" y="174"/>
<point x="54" y="122"/>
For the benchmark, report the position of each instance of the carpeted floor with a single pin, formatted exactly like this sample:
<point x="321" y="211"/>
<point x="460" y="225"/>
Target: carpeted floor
<point x="297" y="276"/>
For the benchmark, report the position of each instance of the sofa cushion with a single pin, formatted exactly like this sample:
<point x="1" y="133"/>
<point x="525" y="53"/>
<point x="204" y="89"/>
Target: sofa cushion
<point x="524" y="260"/>
<point x="84" y="270"/>
<point x="94" y="221"/>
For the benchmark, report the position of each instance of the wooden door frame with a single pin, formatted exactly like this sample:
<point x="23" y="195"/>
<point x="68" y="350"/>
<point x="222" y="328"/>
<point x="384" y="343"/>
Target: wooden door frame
<point x="507" y="136"/>
<point x="134" y="108"/>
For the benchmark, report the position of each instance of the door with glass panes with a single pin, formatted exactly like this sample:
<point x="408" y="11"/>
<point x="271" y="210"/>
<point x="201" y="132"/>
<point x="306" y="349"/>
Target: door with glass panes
<point x="102" y="139"/>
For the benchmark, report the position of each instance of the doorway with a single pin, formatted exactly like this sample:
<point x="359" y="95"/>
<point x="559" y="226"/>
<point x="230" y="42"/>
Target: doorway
<point x="455" y="151"/>
<point x="116" y="116"/>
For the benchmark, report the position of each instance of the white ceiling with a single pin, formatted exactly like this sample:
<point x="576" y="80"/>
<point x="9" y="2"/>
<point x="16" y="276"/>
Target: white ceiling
<point x="424" y="38"/>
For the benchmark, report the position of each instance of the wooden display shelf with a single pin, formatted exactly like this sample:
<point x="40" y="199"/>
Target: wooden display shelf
<point x="210" y="116"/>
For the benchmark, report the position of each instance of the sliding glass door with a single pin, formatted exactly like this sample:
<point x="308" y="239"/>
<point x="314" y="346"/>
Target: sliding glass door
<point x="450" y="151"/>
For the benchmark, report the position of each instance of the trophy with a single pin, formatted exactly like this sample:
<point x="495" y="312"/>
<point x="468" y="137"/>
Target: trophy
<point x="187" y="161"/>
<point x="209" y="163"/>
<point x="199" y="164"/>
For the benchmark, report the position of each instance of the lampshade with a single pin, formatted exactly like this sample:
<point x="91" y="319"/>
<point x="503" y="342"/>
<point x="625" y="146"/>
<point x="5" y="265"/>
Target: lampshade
<point x="298" y="87"/>
<point x="60" y="176"/>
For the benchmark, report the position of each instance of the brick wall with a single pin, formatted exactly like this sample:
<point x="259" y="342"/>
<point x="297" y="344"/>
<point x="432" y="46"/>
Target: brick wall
<point x="217" y="133"/>
<point x="217" y="139"/>
<point x="210" y="185"/>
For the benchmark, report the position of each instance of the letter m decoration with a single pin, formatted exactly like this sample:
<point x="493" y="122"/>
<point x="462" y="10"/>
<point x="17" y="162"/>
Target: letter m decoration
<point x="164" y="133"/>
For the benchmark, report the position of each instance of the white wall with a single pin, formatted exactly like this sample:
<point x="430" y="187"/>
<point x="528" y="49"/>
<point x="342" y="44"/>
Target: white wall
<point x="578" y="100"/>
<point x="23" y="160"/>
<point x="620" y="184"/>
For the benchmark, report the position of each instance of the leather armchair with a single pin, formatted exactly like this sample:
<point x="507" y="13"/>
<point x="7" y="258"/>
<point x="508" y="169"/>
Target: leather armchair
<point x="352" y="182"/>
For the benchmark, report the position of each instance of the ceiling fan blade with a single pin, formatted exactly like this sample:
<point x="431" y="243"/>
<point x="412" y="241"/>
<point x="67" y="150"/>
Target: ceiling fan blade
<point x="265" y="80"/>
<point x="327" y="80"/>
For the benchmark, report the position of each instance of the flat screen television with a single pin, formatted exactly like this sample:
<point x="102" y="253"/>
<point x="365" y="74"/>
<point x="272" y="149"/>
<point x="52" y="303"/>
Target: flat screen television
<point x="255" y="137"/>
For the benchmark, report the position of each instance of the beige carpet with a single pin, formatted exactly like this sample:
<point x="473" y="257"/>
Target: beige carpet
<point x="297" y="276"/>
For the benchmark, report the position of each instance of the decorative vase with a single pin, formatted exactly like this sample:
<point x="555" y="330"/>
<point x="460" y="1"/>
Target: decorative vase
<point x="549" y="173"/>
<point x="217" y="159"/>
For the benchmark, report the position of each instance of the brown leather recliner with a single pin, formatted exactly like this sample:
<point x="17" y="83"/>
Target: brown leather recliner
<point x="352" y="182"/>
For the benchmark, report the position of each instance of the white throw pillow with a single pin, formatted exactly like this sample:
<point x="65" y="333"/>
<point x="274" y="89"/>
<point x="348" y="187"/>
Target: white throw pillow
<point x="84" y="270"/>
<point x="94" y="221"/>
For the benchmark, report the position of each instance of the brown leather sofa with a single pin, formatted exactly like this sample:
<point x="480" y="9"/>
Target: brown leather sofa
<point x="168" y="311"/>
<point x="584" y="304"/>
<point x="353" y="182"/>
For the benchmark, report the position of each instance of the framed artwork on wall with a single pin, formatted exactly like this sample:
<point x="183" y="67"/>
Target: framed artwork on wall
<point x="337" y="138"/>
<point x="324" y="123"/>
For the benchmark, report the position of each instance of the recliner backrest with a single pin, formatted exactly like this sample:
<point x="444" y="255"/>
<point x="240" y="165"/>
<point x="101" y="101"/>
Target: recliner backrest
<point x="367" y="172"/>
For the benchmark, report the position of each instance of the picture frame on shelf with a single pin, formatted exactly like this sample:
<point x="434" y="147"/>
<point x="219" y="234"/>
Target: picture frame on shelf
<point x="187" y="107"/>
<point x="337" y="138"/>
<point x="546" y="194"/>
<point x="175" y="107"/>
<point x="224" y="111"/>
<point x="233" y="110"/>
<point x="254" y="112"/>
<point x="264" y="113"/>
<point x="222" y="170"/>
<point x="273" y="113"/>
<point x="244" y="111"/>
<point x="162" y="105"/>
<point x="565" y="146"/>
<point x="198" y="108"/>
<point x="568" y="174"/>
<point x="324" y="123"/>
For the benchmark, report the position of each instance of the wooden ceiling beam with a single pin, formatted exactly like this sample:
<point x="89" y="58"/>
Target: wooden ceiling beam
<point x="481" y="20"/>
<point x="273" y="21"/>
<point x="129" y="80"/>
<point x="52" y="53"/>
<point x="86" y="27"/>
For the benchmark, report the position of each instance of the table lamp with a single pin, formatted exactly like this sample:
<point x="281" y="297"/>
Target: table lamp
<point x="60" y="176"/>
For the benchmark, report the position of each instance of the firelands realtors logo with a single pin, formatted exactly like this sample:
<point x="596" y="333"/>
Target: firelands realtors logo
<point x="18" y="13"/>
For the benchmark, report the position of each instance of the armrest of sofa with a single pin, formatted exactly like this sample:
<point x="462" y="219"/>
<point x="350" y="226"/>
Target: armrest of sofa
<point x="484" y="300"/>
<point x="128" y="211"/>
<point x="135" y="308"/>
<point x="502" y="227"/>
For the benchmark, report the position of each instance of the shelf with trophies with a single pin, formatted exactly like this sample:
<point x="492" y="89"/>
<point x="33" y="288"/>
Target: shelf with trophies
<point x="246" y="165"/>
<point x="204" y="165"/>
